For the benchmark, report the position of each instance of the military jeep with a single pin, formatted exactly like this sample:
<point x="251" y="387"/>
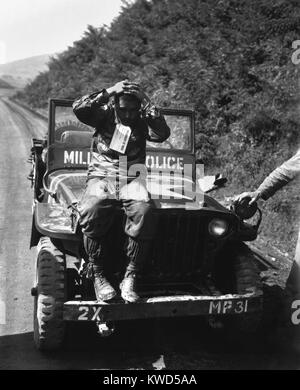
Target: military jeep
<point x="199" y="264"/>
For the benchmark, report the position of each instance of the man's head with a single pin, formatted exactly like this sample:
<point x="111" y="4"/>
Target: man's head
<point x="127" y="108"/>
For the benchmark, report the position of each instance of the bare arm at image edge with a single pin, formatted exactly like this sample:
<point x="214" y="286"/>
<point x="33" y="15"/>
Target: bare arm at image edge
<point x="282" y="175"/>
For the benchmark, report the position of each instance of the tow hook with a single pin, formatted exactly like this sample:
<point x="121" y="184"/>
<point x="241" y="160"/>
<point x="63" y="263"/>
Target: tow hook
<point x="105" y="329"/>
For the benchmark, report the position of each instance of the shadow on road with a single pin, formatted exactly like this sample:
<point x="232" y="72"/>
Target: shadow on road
<point x="156" y="344"/>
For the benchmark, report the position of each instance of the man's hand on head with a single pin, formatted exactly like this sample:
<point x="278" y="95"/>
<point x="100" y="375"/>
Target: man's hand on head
<point x="129" y="88"/>
<point x="135" y="89"/>
<point x="126" y="87"/>
<point x="118" y="88"/>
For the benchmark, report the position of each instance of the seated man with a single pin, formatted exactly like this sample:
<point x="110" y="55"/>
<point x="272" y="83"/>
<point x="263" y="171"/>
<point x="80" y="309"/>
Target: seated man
<point x="123" y="119"/>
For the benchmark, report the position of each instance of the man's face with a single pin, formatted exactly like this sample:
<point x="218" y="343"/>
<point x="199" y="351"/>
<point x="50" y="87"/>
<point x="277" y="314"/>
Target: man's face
<point x="127" y="110"/>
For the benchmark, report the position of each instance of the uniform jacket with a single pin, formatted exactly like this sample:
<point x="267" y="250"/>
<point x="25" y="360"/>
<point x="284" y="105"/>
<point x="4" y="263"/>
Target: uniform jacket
<point x="97" y="111"/>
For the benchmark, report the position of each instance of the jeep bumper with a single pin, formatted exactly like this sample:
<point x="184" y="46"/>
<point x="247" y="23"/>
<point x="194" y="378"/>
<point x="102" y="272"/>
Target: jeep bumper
<point x="163" y="306"/>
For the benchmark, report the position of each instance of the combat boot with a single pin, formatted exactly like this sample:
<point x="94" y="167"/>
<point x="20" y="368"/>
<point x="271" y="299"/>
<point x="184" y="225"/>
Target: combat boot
<point x="128" y="288"/>
<point x="136" y="252"/>
<point x="95" y="270"/>
<point x="103" y="289"/>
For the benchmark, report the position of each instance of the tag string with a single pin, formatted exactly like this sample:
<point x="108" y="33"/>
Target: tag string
<point x="116" y="116"/>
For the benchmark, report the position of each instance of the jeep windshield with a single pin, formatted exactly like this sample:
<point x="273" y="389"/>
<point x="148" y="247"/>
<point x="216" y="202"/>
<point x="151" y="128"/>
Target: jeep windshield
<point x="181" y="123"/>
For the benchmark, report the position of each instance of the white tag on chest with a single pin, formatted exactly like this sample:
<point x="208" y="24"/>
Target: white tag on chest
<point x="120" y="138"/>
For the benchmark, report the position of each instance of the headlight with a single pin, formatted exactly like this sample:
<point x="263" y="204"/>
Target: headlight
<point x="243" y="210"/>
<point x="218" y="227"/>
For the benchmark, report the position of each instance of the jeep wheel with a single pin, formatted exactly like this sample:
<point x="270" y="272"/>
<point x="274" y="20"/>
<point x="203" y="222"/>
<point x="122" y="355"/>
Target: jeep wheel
<point x="247" y="280"/>
<point x="49" y="327"/>
<point x="236" y="272"/>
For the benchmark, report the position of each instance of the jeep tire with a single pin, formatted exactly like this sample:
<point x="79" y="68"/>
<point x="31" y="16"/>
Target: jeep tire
<point x="49" y="327"/>
<point x="247" y="279"/>
<point x="238" y="273"/>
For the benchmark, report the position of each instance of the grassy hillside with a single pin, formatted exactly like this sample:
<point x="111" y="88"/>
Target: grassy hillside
<point x="5" y="85"/>
<point x="21" y="72"/>
<point x="228" y="60"/>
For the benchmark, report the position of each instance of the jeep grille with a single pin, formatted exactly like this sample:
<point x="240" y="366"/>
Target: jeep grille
<point x="179" y="246"/>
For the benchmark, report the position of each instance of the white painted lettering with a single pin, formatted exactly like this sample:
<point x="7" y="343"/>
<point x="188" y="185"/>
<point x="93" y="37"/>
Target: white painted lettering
<point x="180" y="163"/>
<point x="96" y="314"/>
<point x="239" y="307"/>
<point x="68" y="158"/>
<point x="214" y="306"/>
<point x="227" y="306"/>
<point x="83" y="316"/>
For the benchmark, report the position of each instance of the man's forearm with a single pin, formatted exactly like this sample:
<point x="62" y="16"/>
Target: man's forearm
<point x="87" y="107"/>
<point x="159" y="131"/>
<point x="280" y="177"/>
<point x="272" y="184"/>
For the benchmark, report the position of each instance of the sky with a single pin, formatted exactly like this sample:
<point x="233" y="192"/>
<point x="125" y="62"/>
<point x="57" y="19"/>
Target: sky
<point x="34" y="27"/>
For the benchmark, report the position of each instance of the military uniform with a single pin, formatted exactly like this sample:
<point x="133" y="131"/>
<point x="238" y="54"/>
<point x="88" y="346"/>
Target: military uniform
<point x="110" y="184"/>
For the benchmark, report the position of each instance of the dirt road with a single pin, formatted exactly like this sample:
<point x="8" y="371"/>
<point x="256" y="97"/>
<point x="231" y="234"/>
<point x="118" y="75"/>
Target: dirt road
<point x="17" y="261"/>
<point x="180" y="344"/>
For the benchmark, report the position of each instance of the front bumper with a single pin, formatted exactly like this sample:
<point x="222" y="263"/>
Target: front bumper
<point x="163" y="307"/>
